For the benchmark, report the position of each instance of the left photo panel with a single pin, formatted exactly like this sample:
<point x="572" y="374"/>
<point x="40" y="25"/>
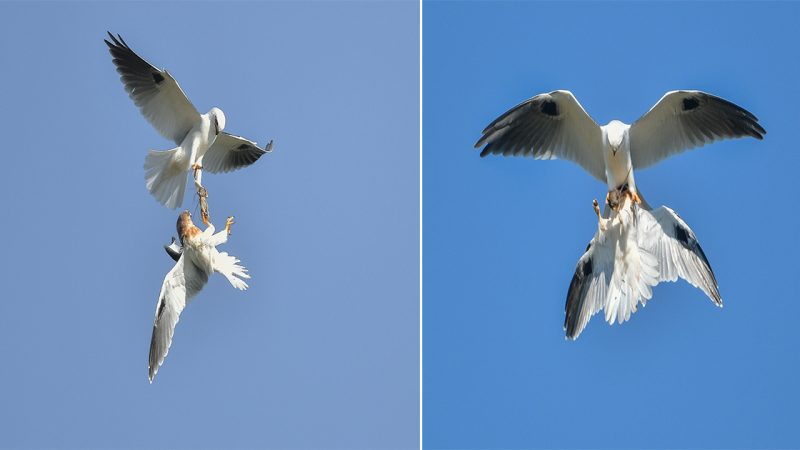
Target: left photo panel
<point x="216" y="219"/>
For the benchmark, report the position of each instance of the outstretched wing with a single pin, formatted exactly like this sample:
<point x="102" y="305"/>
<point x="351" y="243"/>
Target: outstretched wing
<point x="679" y="254"/>
<point x="154" y="91"/>
<point x="589" y="286"/>
<point x="683" y="120"/>
<point x="182" y="283"/>
<point x="231" y="152"/>
<point x="548" y="126"/>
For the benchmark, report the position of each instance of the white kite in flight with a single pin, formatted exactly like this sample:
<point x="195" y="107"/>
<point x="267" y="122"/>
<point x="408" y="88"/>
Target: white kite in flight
<point x="201" y="143"/>
<point x="555" y="125"/>
<point x="197" y="258"/>
<point x="632" y="251"/>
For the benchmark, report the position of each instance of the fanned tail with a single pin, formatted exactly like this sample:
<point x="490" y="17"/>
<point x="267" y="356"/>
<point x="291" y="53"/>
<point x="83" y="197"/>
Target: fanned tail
<point x="165" y="177"/>
<point x="230" y="268"/>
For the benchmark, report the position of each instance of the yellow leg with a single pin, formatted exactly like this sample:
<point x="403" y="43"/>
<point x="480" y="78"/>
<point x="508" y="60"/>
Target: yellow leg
<point x="228" y="224"/>
<point x="601" y="223"/>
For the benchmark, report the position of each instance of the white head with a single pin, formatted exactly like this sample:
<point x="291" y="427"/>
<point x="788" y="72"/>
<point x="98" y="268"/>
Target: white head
<point x="615" y="133"/>
<point x="217" y="119"/>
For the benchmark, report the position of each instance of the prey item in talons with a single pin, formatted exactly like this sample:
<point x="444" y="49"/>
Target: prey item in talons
<point x="204" y="215"/>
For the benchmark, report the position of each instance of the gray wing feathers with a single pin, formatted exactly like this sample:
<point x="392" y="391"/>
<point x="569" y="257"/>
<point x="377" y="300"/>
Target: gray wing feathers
<point x="679" y="254"/>
<point x="660" y="233"/>
<point x="231" y="152"/>
<point x="589" y="287"/>
<point x="180" y="285"/>
<point x="547" y="126"/>
<point x="158" y="96"/>
<point x="683" y="120"/>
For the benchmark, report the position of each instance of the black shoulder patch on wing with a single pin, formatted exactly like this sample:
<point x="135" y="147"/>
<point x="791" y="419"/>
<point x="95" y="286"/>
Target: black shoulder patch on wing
<point x="576" y="296"/>
<point x="161" y="309"/>
<point x="587" y="267"/>
<point x="683" y="237"/>
<point x="690" y="103"/>
<point x="689" y="242"/>
<point x="158" y="78"/>
<point x="550" y="108"/>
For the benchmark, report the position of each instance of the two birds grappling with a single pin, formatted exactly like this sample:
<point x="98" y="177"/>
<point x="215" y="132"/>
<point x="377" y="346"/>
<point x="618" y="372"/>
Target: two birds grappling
<point x="635" y="246"/>
<point x="202" y="144"/>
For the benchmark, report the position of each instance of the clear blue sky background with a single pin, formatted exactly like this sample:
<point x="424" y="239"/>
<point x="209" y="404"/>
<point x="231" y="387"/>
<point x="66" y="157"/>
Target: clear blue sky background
<point x="323" y="350"/>
<point x="502" y="235"/>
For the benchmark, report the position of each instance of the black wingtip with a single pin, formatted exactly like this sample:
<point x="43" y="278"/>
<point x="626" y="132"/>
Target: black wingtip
<point x="268" y="147"/>
<point x="760" y="130"/>
<point x="117" y="40"/>
<point x="479" y="142"/>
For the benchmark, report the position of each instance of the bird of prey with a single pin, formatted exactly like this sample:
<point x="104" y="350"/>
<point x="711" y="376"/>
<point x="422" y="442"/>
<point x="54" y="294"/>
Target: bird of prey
<point x="196" y="259"/>
<point x="200" y="139"/>
<point x="632" y="251"/>
<point x="555" y="125"/>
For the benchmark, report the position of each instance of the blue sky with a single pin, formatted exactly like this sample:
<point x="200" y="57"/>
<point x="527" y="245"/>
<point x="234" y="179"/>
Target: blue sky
<point x="323" y="350"/>
<point x="502" y="236"/>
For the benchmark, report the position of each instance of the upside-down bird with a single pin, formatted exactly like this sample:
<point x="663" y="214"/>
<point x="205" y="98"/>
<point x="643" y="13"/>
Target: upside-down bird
<point x="632" y="251"/>
<point x="201" y="142"/>
<point x="197" y="259"/>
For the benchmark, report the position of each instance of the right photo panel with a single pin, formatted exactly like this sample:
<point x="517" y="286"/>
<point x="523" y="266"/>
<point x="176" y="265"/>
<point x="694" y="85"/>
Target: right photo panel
<point x="583" y="160"/>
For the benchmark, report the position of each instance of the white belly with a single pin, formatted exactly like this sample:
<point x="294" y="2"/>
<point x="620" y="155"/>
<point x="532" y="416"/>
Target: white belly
<point x="619" y="169"/>
<point x="198" y="140"/>
<point x="201" y="254"/>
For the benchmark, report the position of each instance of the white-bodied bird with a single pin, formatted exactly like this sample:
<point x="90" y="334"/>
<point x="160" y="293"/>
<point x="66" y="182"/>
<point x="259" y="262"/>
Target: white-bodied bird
<point x="197" y="259"/>
<point x="635" y="247"/>
<point x="632" y="251"/>
<point x="201" y="142"/>
<point x="555" y="125"/>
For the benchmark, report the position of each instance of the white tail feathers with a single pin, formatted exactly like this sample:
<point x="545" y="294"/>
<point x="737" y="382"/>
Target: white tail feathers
<point x="635" y="271"/>
<point x="228" y="266"/>
<point x="165" y="176"/>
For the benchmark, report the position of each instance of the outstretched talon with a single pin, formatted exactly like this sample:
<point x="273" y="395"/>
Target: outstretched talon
<point x="601" y="223"/>
<point x="228" y="224"/>
<point x="197" y="167"/>
<point x="635" y="197"/>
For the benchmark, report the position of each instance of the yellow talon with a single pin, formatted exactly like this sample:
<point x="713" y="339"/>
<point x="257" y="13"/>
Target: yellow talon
<point x="228" y="224"/>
